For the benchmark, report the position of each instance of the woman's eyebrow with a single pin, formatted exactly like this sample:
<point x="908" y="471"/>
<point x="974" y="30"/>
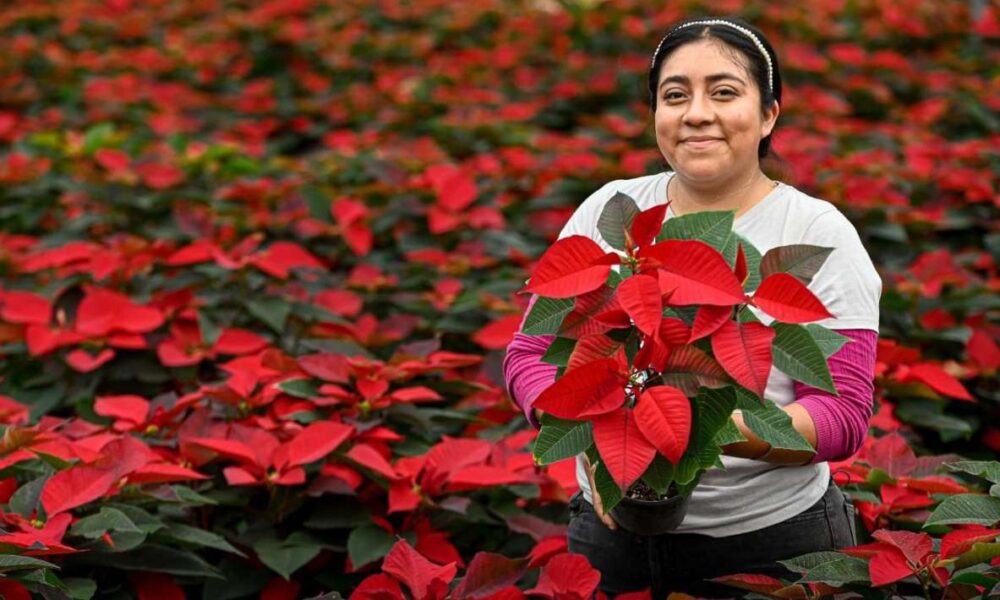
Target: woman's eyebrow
<point x="684" y="79"/>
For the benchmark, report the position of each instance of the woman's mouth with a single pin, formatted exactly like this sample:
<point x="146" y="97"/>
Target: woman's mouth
<point x="700" y="142"/>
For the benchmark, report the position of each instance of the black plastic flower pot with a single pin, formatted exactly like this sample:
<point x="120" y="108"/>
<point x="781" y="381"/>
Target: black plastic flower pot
<point x="651" y="517"/>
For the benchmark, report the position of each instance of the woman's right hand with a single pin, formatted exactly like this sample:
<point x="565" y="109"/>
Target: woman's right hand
<point x="598" y="505"/>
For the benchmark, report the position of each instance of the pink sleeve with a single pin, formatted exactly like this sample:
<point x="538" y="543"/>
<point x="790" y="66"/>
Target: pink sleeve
<point x="523" y="370"/>
<point x="842" y="422"/>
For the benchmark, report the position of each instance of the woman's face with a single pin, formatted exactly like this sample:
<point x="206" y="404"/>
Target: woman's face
<point x="708" y="119"/>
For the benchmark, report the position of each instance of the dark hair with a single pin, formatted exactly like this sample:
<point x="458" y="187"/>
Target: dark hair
<point x="680" y="34"/>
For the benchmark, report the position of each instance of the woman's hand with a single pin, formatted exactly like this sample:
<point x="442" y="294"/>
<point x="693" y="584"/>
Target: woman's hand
<point x="598" y="505"/>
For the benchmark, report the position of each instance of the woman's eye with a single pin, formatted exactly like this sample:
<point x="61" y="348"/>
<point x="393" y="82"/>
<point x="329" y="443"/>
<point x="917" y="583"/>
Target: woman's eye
<point x="726" y="92"/>
<point x="672" y="96"/>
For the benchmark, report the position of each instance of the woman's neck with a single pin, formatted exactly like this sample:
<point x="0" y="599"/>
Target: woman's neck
<point x="739" y="196"/>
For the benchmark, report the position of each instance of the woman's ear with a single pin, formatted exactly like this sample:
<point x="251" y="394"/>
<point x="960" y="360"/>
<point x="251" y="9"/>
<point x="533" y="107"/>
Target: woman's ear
<point x="770" y="118"/>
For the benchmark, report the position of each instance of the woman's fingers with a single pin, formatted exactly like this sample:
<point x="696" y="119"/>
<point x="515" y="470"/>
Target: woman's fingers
<point x="598" y="504"/>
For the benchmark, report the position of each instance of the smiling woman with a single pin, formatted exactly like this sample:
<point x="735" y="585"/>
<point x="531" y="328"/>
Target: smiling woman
<point x="715" y="93"/>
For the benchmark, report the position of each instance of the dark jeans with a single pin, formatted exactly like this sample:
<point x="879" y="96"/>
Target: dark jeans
<point x="680" y="562"/>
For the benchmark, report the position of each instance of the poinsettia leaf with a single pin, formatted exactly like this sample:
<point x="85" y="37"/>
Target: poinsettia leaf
<point x="623" y="449"/>
<point x="270" y="310"/>
<point x="888" y="566"/>
<point x="711" y="227"/>
<point x="832" y="568"/>
<point x="694" y="271"/>
<point x="616" y="219"/>
<point x="914" y="546"/>
<point x="740" y="267"/>
<point x="828" y="340"/>
<point x="708" y="319"/>
<point x="572" y="266"/>
<point x="961" y="541"/>
<point x="559" y="352"/>
<point x="368" y="543"/>
<point x="285" y="557"/>
<point x="592" y="389"/>
<point x="754" y="582"/>
<point x="663" y="415"/>
<point x="801" y="261"/>
<point x="425" y="579"/>
<point x="979" y="554"/>
<point x="640" y="297"/>
<point x="647" y="224"/>
<point x="688" y="368"/>
<point x="770" y="423"/>
<point x="729" y="434"/>
<point x="987" y="469"/>
<point x="710" y="412"/>
<point x="752" y="257"/>
<point x="891" y="454"/>
<point x="76" y="486"/>
<point x="314" y="442"/>
<point x="966" y="509"/>
<point x="567" y="576"/>
<point x="560" y="439"/>
<point x="787" y="299"/>
<point x="744" y="351"/>
<point x="546" y="315"/>
<point x="489" y="573"/>
<point x="590" y="314"/>
<point x="797" y="355"/>
<point x="591" y="348"/>
<point x="607" y="487"/>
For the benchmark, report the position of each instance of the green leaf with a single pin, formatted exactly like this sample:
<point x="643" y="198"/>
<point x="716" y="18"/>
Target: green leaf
<point x="368" y="543"/>
<point x="559" y="352"/>
<point x="799" y="260"/>
<point x="987" y="469"/>
<point x="13" y="562"/>
<point x="300" y="388"/>
<point x="547" y="315"/>
<point x="79" y="588"/>
<point x="24" y="501"/>
<point x="94" y="526"/>
<point x="143" y="521"/>
<point x="285" y="557"/>
<point x="609" y="491"/>
<point x="616" y="218"/>
<point x="270" y="310"/>
<point x="753" y="257"/>
<point x="197" y="536"/>
<point x="560" y="439"/>
<point x="770" y="423"/>
<point x="242" y="580"/>
<point x="158" y="558"/>
<point x="710" y="416"/>
<point x="729" y="433"/>
<point x="797" y="355"/>
<point x="98" y="136"/>
<point x="712" y="227"/>
<point x="659" y="474"/>
<point x="209" y="329"/>
<point x="829" y="341"/>
<point x="805" y="563"/>
<point x="929" y="414"/>
<point x="966" y="508"/>
<point x="983" y="552"/>
<point x="840" y="570"/>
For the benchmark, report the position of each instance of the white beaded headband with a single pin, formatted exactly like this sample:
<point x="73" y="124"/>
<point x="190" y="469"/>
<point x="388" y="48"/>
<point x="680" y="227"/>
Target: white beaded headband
<point x="741" y="29"/>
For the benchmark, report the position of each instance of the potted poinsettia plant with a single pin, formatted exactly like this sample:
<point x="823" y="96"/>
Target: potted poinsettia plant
<point x="658" y="341"/>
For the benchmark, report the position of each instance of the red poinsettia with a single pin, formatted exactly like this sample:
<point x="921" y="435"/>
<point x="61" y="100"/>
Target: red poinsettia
<point x="643" y="329"/>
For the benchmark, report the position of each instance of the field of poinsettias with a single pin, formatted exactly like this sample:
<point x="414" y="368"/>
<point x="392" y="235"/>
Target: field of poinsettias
<point x="260" y="261"/>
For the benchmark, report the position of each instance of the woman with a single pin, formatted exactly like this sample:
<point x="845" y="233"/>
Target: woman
<point x="715" y="93"/>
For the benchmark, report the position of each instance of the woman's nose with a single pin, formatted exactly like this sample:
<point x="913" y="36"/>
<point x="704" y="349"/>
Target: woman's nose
<point x="699" y="110"/>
